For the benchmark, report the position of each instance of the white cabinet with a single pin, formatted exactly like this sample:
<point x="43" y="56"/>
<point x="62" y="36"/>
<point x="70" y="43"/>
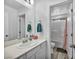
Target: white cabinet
<point x="32" y="53"/>
<point x="41" y="54"/>
<point x="22" y="57"/>
<point x="31" y="57"/>
<point x="38" y="52"/>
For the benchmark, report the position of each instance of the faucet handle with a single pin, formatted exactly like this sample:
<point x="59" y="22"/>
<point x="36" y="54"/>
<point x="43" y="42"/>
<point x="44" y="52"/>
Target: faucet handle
<point x="26" y="35"/>
<point x="24" y="41"/>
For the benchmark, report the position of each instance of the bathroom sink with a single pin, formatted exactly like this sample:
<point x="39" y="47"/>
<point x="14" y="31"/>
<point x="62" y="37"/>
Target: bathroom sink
<point x="27" y="44"/>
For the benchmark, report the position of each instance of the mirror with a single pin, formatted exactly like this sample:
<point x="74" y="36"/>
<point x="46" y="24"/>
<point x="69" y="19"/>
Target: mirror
<point x="17" y="15"/>
<point x="14" y="20"/>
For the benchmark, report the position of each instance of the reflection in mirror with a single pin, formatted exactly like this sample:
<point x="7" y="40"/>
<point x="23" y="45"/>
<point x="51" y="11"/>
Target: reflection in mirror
<point x="21" y="26"/>
<point x="14" y="22"/>
<point x="16" y="18"/>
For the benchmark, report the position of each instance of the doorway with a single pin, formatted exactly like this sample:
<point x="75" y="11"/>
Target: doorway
<point x="58" y="30"/>
<point x="22" y="26"/>
<point x="58" y="36"/>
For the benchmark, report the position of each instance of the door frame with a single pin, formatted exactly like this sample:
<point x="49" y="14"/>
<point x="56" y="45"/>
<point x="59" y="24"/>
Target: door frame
<point x="60" y="4"/>
<point x="19" y="28"/>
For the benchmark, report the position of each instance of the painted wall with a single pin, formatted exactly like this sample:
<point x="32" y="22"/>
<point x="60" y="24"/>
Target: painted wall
<point x="12" y="24"/>
<point x="42" y="13"/>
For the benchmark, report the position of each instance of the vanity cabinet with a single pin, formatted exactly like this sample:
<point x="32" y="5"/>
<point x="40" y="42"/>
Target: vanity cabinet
<point x="38" y="52"/>
<point x="31" y="57"/>
<point x="22" y="57"/>
<point x="41" y="54"/>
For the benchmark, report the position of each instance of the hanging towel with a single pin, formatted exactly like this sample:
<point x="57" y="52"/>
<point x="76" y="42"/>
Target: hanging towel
<point x="39" y="27"/>
<point x="29" y="28"/>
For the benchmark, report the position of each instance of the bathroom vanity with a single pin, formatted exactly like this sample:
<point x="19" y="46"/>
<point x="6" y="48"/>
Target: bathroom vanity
<point x="35" y="49"/>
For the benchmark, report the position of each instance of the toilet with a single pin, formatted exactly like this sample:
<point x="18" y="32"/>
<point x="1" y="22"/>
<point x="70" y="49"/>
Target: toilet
<point x="52" y="46"/>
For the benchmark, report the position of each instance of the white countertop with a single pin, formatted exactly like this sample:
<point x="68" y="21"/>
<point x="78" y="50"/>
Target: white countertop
<point x="14" y="51"/>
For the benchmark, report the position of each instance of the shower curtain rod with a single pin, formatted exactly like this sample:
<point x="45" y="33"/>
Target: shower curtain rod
<point x="62" y="18"/>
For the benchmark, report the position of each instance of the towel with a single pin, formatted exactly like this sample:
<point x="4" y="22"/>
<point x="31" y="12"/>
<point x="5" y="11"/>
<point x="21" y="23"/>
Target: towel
<point x="29" y="28"/>
<point x="39" y="27"/>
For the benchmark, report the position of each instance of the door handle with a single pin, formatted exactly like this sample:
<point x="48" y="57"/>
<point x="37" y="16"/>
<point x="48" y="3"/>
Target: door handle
<point x="6" y="35"/>
<point x="72" y="46"/>
<point x="19" y="32"/>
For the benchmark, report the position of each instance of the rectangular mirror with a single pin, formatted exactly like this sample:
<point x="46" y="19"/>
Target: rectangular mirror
<point x="14" y="20"/>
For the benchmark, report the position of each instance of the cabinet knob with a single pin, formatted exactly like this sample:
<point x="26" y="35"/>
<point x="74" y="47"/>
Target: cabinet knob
<point x="19" y="32"/>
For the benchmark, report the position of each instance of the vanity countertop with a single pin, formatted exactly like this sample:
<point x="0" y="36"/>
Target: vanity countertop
<point x="14" y="51"/>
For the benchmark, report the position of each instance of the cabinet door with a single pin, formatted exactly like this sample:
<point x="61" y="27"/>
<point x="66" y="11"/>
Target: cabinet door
<point x="23" y="57"/>
<point x="32" y="53"/>
<point x="20" y="57"/>
<point x="31" y="57"/>
<point x="40" y="54"/>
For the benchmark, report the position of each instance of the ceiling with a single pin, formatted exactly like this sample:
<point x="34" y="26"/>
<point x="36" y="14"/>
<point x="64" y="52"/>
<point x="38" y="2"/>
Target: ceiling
<point x="13" y="4"/>
<point x="18" y="6"/>
<point x="51" y="2"/>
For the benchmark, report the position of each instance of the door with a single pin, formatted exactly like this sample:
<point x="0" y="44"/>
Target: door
<point x="6" y="33"/>
<point x="22" y="26"/>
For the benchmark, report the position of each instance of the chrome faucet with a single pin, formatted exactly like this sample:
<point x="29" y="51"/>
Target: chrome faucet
<point x="30" y="38"/>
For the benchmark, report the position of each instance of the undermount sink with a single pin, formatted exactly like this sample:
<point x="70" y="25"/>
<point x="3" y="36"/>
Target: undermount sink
<point x="27" y="44"/>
